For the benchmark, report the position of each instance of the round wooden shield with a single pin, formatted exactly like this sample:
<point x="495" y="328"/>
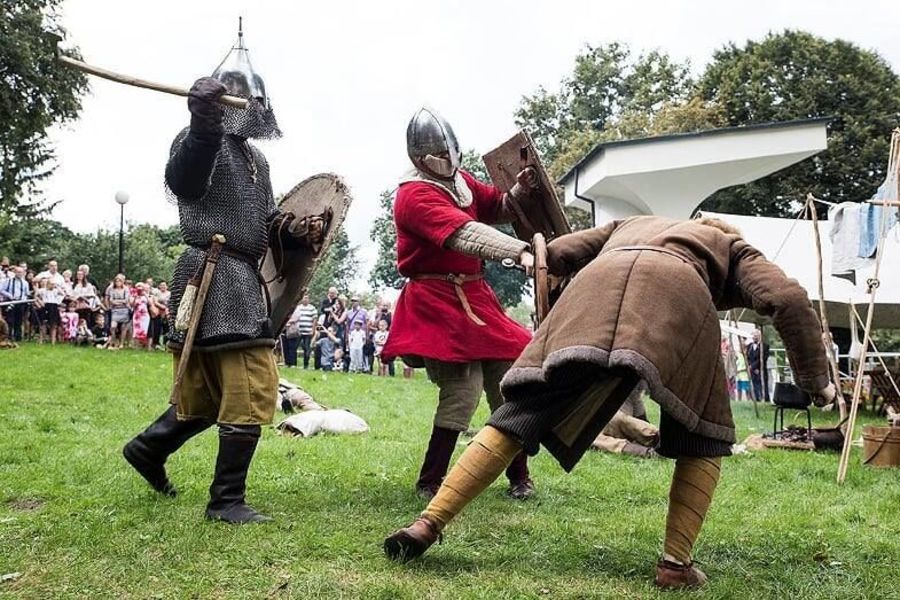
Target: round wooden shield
<point x="541" y="278"/>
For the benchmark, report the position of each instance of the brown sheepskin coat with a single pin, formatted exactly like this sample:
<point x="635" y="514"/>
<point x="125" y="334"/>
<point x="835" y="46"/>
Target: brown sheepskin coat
<point x="645" y="299"/>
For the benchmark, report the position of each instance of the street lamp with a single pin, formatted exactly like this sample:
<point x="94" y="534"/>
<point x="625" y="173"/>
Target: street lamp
<point x="122" y="199"/>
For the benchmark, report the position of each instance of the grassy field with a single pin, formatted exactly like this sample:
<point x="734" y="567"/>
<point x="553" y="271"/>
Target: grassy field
<point x="76" y="522"/>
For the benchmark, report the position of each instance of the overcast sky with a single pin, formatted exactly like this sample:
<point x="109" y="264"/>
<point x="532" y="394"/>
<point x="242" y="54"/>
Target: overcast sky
<point x="345" y="77"/>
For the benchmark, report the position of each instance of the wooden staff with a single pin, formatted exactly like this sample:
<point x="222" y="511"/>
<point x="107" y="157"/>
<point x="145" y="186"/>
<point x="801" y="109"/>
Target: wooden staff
<point x="826" y="330"/>
<point x="893" y="166"/>
<point x="212" y="258"/>
<point x="232" y="101"/>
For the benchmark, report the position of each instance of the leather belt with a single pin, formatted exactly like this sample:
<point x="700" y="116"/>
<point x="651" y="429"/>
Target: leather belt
<point x="247" y="259"/>
<point x="659" y="249"/>
<point x="457" y="280"/>
<point x="228" y="251"/>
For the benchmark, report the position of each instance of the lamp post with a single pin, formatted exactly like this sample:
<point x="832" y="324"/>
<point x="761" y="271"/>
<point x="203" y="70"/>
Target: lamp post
<point x="122" y="200"/>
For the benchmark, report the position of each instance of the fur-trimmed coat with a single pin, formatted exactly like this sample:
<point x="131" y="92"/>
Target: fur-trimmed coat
<point x="645" y="297"/>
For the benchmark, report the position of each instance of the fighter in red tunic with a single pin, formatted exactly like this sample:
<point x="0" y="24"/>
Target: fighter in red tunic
<point x="447" y="318"/>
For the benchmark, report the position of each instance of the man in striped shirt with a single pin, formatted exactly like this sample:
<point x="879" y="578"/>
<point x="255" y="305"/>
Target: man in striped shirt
<point x="303" y="320"/>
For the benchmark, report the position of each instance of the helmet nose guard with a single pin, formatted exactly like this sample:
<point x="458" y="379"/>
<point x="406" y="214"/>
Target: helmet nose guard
<point x="429" y="133"/>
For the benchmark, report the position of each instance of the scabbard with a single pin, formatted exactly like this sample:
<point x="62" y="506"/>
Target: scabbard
<point x="209" y="267"/>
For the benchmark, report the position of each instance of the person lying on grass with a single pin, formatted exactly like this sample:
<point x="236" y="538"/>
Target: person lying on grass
<point x="643" y="307"/>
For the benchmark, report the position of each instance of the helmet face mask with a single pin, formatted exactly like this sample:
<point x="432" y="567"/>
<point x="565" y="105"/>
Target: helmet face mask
<point x="432" y="145"/>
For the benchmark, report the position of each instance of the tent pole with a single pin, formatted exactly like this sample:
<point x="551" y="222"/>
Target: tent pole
<point x="893" y="166"/>
<point x="826" y="329"/>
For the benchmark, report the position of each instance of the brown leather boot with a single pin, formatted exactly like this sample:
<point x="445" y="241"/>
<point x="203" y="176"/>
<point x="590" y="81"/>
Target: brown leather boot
<point x="412" y="542"/>
<point x="437" y="461"/>
<point x="520" y="485"/>
<point x="672" y="576"/>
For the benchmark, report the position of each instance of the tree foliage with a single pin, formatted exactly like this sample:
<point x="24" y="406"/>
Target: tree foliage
<point x="384" y="233"/>
<point x="37" y="92"/>
<point x="149" y="251"/>
<point x="796" y="75"/>
<point x="338" y="267"/>
<point x="608" y="93"/>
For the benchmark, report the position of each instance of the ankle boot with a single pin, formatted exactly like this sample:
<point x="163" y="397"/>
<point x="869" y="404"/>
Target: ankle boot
<point x="148" y="452"/>
<point x="520" y="485"/>
<point x="412" y="542"/>
<point x="226" y="494"/>
<point x="437" y="461"/>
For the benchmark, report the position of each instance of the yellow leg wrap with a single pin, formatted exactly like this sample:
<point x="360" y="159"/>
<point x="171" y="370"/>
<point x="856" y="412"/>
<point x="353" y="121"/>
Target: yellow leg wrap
<point x="693" y="484"/>
<point x="483" y="461"/>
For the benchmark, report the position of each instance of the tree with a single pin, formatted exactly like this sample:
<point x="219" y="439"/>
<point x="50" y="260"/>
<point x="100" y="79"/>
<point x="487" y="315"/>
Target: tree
<point x="37" y="92"/>
<point x="384" y="233"/>
<point x="337" y="268"/>
<point x="607" y="85"/>
<point x="796" y="75"/>
<point x="610" y="96"/>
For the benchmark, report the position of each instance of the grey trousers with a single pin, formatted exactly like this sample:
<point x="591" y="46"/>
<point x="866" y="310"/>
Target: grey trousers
<point x="460" y="386"/>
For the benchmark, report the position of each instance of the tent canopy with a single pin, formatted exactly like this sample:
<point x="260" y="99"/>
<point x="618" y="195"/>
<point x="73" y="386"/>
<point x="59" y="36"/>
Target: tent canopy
<point x="791" y="244"/>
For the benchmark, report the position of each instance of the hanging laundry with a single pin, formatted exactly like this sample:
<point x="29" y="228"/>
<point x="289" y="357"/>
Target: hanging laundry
<point x="844" y="234"/>
<point x="870" y="222"/>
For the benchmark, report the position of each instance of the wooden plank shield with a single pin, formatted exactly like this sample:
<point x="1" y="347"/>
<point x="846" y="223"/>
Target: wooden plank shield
<point x="325" y="193"/>
<point x="544" y="216"/>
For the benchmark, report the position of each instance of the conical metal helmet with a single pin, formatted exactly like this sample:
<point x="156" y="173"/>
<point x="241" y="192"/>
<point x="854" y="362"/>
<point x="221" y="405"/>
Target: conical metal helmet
<point x="236" y="73"/>
<point x="429" y="133"/>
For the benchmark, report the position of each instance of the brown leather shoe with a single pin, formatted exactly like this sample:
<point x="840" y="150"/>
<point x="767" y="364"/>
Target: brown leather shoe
<point x="672" y="576"/>
<point x="412" y="542"/>
<point x="521" y="490"/>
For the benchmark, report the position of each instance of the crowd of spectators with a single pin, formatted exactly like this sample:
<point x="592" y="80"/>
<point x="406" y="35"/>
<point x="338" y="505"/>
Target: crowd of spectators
<point x="339" y="335"/>
<point x="59" y="307"/>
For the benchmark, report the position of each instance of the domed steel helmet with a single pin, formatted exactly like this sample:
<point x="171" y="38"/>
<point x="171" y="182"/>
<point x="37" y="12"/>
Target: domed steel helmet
<point x="237" y="75"/>
<point x="429" y="133"/>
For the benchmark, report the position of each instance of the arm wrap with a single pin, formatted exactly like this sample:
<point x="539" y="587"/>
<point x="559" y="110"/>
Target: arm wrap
<point x="485" y="242"/>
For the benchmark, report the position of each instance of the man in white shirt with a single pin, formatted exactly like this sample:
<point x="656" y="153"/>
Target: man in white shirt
<point x="51" y="273"/>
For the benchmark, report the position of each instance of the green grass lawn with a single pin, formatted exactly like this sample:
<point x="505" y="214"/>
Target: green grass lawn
<point x="77" y="522"/>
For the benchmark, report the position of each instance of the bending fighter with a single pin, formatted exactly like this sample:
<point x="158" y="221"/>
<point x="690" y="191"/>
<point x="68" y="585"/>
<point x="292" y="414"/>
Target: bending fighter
<point x="643" y="306"/>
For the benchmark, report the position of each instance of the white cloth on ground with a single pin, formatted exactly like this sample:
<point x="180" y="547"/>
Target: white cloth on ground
<point x="309" y="423"/>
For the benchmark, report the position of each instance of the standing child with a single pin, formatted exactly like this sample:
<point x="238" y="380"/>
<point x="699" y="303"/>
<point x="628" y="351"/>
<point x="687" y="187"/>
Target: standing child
<point x="743" y="376"/>
<point x="69" y="322"/>
<point x="379" y="339"/>
<point x="141" y="315"/>
<point x="356" y="343"/>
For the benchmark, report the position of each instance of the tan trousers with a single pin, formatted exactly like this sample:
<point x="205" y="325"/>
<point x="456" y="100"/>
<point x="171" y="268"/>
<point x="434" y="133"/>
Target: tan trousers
<point x="460" y="386"/>
<point x="622" y="429"/>
<point x="233" y="387"/>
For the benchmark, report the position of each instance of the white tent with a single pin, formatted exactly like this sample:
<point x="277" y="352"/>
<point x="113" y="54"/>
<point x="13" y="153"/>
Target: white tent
<point x="790" y="243"/>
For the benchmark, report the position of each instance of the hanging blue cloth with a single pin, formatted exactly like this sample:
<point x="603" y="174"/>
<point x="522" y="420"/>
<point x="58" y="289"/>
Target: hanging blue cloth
<point x="870" y="223"/>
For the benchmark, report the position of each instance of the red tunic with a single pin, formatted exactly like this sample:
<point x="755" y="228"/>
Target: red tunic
<point x="429" y="319"/>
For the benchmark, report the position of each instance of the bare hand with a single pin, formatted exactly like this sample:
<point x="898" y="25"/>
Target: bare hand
<point x="825" y="396"/>
<point x="528" y="178"/>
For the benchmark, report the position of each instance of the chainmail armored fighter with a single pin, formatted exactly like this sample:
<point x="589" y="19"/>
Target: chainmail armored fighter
<point x="222" y="187"/>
